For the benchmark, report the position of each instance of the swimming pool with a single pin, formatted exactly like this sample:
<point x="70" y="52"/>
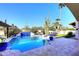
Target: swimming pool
<point x="25" y="43"/>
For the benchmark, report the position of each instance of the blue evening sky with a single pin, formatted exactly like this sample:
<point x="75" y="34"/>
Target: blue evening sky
<point x="33" y="14"/>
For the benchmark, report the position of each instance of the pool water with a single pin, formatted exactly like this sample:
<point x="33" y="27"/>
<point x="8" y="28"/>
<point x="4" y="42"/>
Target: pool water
<point x="25" y="43"/>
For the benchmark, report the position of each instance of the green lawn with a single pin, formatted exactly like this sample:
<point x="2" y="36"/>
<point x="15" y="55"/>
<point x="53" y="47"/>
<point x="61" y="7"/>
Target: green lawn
<point x="60" y="35"/>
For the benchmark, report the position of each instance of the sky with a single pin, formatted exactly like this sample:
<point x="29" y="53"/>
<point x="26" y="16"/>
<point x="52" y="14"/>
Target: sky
<point x="33" y="14"/>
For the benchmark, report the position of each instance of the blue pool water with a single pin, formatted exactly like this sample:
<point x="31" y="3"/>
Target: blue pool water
<point x="25" y="43"/>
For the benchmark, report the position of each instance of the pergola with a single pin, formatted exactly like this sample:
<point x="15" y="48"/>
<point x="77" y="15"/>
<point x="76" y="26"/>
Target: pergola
<point x="74" y="8"/>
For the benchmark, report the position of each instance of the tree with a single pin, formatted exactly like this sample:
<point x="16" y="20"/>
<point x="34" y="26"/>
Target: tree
<point x="56" y="26"/>
<point x="46" y="26"/>
<point x="26" y="28"/>
<point x="14" y="31"/>
<point x="35" y="29"/>
<point x="61" y="5"/>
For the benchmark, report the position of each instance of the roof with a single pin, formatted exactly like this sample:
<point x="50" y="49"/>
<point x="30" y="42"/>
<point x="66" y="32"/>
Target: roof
<point x="4" y="24"/>
<point x="74" y="7"/>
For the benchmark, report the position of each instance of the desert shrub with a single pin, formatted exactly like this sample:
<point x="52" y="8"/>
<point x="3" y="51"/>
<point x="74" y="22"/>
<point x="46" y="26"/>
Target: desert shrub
<point x="14" y="32"/>
<point x="1" y="39"/>
<point x="69" y="35"/>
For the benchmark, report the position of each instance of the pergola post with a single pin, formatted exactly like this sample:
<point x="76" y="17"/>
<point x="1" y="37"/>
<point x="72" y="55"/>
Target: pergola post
<point x="77" y="30"/>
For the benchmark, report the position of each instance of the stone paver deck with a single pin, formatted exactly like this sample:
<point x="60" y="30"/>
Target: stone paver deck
<point x="57" y="47"/>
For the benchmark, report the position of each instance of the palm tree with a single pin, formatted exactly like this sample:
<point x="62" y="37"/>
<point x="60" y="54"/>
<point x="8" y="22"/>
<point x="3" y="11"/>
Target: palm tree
<point x="26" y="28"/>
<point x="61" y="5"/>
<point x="58" y="23"/>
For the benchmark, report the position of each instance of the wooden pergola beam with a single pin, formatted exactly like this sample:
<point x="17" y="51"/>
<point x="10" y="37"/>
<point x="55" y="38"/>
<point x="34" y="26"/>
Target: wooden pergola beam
<point x="74" y="8"/>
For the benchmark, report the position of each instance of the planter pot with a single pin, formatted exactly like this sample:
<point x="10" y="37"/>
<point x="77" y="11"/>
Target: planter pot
<point x="3" y="46"/>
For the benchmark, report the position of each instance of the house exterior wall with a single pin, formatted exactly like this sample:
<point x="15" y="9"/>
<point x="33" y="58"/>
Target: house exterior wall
<point x="77" y="30"/>
<point x="2" y="31"/>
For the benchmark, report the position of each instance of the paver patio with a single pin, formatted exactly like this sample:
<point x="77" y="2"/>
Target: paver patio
<point x="58" y="47"/>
